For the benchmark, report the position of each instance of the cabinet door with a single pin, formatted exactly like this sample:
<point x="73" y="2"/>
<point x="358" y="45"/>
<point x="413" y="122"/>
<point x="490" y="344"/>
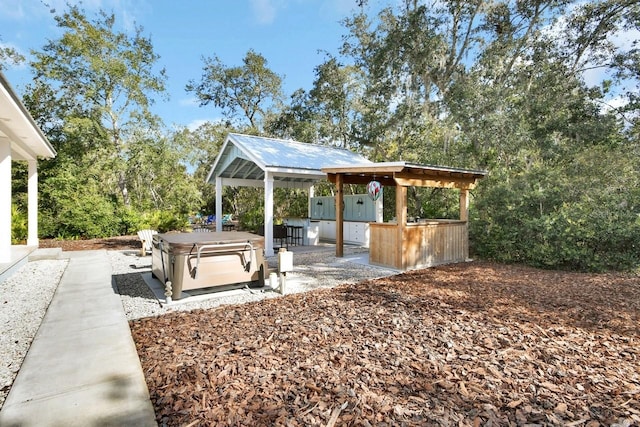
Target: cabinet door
<point x="328" y="230"/>
<point x="322" y="229"/>
<point x="331" y="232"/>
<point x="357" y="232"/>
<point x="349" y="232"/>
<point x="346" y="231"/>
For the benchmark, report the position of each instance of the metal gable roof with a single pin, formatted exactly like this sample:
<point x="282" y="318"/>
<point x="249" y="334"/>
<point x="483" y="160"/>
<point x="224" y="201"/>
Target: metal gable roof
<point x="248" y="157"/>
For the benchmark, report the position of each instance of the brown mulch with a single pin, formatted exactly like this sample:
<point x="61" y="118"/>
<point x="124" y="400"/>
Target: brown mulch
<point x="476" y="344"/>
<point x="110" y="243"/>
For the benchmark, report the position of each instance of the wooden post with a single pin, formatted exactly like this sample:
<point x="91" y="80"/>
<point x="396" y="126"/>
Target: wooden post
<point x="401" y="217"/>
<point x="339" y="216"/>
<point x="464" y="216"/>
<point x="464" y="204"/>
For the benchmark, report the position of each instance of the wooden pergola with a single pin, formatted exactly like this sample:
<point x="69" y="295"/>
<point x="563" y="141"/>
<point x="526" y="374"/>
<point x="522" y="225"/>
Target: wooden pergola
<point x="399" y="244"/>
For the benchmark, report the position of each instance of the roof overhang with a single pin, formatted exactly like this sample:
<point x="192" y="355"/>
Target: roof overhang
<point x="406" y="175"/>
<point x="18" y="128"/>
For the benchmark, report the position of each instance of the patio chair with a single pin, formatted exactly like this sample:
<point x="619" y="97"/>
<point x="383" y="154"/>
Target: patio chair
<point x="146" y="237"/>
<point x="227" y="223"/>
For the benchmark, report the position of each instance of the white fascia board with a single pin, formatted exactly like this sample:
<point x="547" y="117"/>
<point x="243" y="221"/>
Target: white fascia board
<point x="215" y="163"/>
<point x="297" y="173"/>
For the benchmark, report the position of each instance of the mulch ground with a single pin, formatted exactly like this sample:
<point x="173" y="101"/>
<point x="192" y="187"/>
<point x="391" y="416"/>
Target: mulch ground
<point x="110" y="243"/>
<point x="475" y="344"/>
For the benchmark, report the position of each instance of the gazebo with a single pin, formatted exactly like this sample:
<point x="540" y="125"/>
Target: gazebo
<point x="400" y="244"/>
<point x="253" y="161"/>
<point x="20" y="139"/>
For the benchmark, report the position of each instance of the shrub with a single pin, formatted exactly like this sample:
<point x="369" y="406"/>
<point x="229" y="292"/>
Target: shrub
<point x="553" y="219"/>
<point x="19" y="225"/>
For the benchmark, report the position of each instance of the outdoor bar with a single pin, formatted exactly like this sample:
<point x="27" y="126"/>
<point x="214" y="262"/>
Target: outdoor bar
<point x="186" y="261"/>
<point x="400" y="244"/>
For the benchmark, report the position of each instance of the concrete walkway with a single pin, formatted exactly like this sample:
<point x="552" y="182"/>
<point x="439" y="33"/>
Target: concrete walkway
<point x="82" y="368"/>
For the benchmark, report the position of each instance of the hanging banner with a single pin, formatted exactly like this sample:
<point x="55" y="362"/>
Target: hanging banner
<point x="374" y="188"/>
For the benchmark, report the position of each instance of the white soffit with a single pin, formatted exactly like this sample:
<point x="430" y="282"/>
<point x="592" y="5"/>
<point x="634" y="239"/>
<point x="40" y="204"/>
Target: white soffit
<point x="18" y="128"/>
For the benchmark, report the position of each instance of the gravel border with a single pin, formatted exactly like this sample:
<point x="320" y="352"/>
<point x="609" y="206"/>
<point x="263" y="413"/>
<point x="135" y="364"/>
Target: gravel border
<point x="26" y="295"/>
<point x="312" y="270"/>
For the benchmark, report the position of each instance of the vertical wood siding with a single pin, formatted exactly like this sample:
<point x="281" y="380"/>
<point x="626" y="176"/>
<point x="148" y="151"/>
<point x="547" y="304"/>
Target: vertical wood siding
<point x="423" y="245"/>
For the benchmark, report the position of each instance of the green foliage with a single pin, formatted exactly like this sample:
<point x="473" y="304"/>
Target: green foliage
<point x="162" y="221"/>
<point x="246" y="204"/>
<point x="101" y="83"/>
<point x="89" y="216"/>
<point x="19" y="225"/>
<point x="246" y="92"/>
<point x="115" y="163"/>
<point x="296" y="121"/>
<point x="252" y="219"/>
<point x="480" y="84"/>
<point x="581" y="216"/>
<point x="9" y="56"/>
<point x="74" y="205"/>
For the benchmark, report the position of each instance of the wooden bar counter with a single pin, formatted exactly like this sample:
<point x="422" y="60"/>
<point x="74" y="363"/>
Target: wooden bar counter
<point x="418" y="245"/>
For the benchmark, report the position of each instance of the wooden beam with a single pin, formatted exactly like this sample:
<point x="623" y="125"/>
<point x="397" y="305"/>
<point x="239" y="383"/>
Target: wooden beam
<point x="339" y="217"/>
<point x="413" y="181"/>
<point x="361" y="179"/>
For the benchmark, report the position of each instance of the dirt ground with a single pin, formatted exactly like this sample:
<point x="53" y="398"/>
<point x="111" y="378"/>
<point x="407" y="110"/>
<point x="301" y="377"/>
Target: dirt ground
<point x="474" y="344"/>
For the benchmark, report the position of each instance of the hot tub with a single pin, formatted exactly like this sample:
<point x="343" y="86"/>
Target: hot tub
<point x="184" y="261"/>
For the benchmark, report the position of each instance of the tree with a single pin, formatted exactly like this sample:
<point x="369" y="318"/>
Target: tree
<point x="104" y="79"/>
<point x="116" y="169"/>
<point x="248" y="91"/>
<point x="202" y="146"/>
<point x="500" y="85"/>
<point x="295" y="121"/>
<point x="336" y="92"/>
<point x="9" y="56"/>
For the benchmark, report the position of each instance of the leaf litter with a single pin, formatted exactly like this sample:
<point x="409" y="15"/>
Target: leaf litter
<point x="474" y="344"/>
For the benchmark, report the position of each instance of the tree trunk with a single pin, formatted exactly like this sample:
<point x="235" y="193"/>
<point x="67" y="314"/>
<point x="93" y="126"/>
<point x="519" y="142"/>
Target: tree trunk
<point x="122" y="184"/>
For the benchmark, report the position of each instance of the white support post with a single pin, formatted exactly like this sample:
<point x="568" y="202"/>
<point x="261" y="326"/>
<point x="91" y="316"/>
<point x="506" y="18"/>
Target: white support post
<point x="312" y="192"/>
<point x="32" y="204"/>
<point x="5" y="202"/>
<point x="218" y="203"/>
<point x="268" y="214"/>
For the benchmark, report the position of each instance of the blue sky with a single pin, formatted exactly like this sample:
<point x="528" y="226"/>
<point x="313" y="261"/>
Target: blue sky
<point x="288" y="33"/>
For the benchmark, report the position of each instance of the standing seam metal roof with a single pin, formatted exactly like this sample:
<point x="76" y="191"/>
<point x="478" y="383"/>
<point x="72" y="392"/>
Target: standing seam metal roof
<point x="248" y="157"/>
